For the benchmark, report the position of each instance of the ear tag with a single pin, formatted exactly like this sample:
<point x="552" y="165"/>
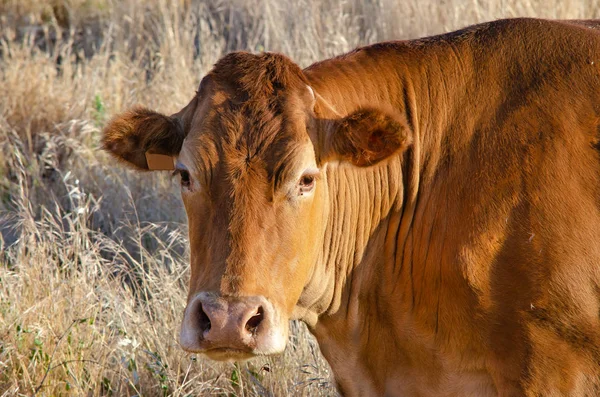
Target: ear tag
<point x="159" y="162"/>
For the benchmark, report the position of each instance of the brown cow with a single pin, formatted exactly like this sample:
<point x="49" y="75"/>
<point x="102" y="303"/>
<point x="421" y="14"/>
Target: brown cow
<point x="430" y="208"/>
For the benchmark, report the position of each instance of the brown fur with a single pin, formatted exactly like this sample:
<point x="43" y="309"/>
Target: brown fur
<point x="129" y="136"/>
<point x="464" y="264"/>
<point x="368" y="136"/>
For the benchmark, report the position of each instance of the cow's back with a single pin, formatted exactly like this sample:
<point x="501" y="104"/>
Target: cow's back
<point x="545" y="275"/>
<point x="523" y="171"/>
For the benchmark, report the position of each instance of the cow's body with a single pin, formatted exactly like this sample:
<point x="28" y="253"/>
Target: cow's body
<point x="468" y="262"/>
<point x="486" y="272"/>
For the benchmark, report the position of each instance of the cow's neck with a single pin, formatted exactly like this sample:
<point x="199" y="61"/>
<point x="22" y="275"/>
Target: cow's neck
<point x="373" y="209"/>
<point x="383" y="276"/>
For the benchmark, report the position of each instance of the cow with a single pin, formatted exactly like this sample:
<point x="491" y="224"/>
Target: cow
<point x="429" y="208"/>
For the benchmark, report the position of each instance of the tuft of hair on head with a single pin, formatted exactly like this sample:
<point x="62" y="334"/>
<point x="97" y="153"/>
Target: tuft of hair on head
<point x="258" y="76"/>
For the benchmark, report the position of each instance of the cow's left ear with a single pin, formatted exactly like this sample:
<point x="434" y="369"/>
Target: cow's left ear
<point x="366" y="137"/>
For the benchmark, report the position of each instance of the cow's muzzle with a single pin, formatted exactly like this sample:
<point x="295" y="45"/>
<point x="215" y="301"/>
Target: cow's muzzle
<point x="232" y="328"/>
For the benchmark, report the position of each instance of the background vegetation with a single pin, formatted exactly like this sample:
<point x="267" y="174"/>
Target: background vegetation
<point x="93" y="258"/>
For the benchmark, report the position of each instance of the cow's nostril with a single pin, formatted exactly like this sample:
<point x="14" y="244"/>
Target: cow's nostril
<point x="255" y="320"/>
<point x="204" y="321"/>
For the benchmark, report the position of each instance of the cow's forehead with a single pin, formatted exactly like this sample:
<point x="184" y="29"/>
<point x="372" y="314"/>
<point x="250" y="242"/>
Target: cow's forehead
<point x="251" y="109"/>
<point x="235" y="137"/>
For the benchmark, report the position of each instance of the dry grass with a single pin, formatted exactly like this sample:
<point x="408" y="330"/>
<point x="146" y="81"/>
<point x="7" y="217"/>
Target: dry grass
<point x="93" y="257"/>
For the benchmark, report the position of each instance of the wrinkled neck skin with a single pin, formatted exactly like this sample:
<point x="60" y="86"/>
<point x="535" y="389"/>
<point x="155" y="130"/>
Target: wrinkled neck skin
<point x="369" y="267"/>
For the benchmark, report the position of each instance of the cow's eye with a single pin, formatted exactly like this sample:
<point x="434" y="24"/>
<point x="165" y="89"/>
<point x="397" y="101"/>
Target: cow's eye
<point x="184" y="176"/>
<point x="306" y="184"/>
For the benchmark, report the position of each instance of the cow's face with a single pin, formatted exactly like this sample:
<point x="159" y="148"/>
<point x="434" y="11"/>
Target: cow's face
<point x="250" y="152"/>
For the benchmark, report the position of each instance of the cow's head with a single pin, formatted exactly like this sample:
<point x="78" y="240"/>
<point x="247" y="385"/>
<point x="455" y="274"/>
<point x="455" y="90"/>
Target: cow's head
<point x="250" y="150"/>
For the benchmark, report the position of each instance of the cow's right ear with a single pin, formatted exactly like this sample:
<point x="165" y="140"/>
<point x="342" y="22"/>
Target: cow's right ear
<point x="366" y="137"/>
<point x="144" y="139"/>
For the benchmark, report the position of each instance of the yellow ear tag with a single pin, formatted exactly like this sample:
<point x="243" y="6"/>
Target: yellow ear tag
<point x="159" y="162"/>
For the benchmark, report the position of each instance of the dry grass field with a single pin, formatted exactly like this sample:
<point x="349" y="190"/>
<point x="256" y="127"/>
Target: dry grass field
<point x="93" y="257"/>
